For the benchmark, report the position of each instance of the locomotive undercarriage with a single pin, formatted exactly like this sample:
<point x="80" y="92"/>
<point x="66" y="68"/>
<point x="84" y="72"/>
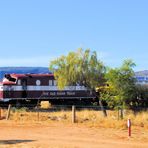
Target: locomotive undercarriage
<point x="29" y="102"/>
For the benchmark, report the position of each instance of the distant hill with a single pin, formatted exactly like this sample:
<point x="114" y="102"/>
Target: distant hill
<point x="142" y="73"/>
<point x="142" y="77"/>
<point x="36" y="70"/>
<point x="21" y="70"/>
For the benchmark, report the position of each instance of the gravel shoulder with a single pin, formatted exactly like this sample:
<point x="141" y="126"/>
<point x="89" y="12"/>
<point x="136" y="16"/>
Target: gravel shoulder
<point x="61" y="135"/>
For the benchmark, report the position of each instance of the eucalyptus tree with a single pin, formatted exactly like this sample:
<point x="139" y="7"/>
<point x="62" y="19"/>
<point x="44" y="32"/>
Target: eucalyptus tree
<point x="80" y="67"/>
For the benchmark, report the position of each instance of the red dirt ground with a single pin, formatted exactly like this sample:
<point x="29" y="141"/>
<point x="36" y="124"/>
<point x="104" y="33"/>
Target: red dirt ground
<point x="60" y="135"/>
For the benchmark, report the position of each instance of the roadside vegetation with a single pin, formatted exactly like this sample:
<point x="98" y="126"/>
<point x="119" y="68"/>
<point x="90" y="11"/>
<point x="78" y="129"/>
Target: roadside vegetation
<point x="116" y="87"/>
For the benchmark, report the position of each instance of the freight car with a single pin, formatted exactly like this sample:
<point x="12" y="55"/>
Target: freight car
<point x="36" y="87"/>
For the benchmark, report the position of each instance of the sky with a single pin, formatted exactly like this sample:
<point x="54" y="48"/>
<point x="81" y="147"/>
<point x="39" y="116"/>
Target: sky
<point x="34" y="32"/>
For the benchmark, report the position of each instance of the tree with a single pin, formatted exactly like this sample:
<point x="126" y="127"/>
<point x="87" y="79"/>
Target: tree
<point x="122" y="85"/>
<point x="81" y="67"/>
<point x="142" y="96"/>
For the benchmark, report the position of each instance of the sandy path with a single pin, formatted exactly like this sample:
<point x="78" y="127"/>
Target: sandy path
<point x="58" y="135"/>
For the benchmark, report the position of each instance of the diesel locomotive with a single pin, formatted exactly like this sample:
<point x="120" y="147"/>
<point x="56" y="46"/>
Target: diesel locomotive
<point x="34" y="87"/>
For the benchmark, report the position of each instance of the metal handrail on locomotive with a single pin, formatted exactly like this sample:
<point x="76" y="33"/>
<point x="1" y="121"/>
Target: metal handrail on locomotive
<point x="39" y="86"/>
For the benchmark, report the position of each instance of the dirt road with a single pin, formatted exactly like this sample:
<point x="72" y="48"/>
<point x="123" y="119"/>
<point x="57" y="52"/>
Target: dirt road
<point x="60" y="135"/>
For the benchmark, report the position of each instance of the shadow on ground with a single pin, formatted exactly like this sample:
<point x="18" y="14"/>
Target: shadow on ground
<point x="14" y="141"/>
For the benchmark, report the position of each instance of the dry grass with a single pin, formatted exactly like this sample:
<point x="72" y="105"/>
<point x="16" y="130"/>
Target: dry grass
<point x="140" y="119"/>
<point x="89" y="118"/>
<point x="95" y="118"/>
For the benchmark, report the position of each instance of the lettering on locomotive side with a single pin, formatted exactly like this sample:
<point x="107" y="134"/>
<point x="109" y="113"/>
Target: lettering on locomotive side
<point x="71" y="93"/>
<point x="59" y="93"/>
<point x="45" y="93"/>
<point x="52" y="93"/>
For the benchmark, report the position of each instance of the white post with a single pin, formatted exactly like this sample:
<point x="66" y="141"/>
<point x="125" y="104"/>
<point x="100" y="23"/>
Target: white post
<point x="129" y="127"/>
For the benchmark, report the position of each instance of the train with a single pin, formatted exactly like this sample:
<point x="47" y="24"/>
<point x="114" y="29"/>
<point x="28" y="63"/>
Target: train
<point x="32" y="88"/>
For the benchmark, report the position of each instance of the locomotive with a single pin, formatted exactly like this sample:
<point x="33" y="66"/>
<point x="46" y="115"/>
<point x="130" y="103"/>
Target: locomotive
<point x="37" y="87"/>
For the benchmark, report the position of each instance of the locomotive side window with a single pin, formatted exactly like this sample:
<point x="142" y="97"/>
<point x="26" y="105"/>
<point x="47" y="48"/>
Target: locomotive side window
<point x="50" y="82"/>
<point x="38" y="82"/>
<point x="19" y="82"/>
<point x="54" y="82"/>
<point x="12" y="79"/>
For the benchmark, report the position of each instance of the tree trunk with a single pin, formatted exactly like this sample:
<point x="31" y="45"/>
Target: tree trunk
<point x="121" y="113"/>
<point x="102" y="108"/>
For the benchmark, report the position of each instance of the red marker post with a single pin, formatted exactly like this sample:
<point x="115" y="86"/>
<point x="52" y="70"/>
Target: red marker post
<point x="129" y="127"/>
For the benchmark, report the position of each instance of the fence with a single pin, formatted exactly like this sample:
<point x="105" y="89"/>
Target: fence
<point x="79" y="114"/>
<point x="10" y="110"/>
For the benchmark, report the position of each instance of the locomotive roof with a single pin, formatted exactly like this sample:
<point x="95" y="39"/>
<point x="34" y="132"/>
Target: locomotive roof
<point x="16" y="76"/>
<point x="30" y="75"/>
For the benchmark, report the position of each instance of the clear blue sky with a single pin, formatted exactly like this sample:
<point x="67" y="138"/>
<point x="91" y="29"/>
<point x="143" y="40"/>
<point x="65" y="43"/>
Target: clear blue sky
<point x="33" y="32"/>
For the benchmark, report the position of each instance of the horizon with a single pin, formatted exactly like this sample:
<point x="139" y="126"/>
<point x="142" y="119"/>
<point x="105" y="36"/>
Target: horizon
<point x="33" y="33"/>
<point x="48" y="67"/>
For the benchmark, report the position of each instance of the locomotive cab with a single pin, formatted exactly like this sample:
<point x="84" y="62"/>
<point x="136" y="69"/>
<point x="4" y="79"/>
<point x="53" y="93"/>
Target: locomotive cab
<point x="6" y="87"/>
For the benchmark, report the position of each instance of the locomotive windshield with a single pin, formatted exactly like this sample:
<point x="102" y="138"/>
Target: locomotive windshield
<point x="9" y="78"/>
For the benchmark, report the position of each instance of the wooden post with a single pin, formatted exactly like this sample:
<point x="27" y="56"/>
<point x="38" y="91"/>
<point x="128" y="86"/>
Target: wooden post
<point x="73" y="114"/>
<point x="102" y="108"/>
<point x="8" y="112"/>
<point x="118" y="113"/>
<point x="38" y="114"/>
<point x="0" y="114"/>
<point x="121" y="113"/>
